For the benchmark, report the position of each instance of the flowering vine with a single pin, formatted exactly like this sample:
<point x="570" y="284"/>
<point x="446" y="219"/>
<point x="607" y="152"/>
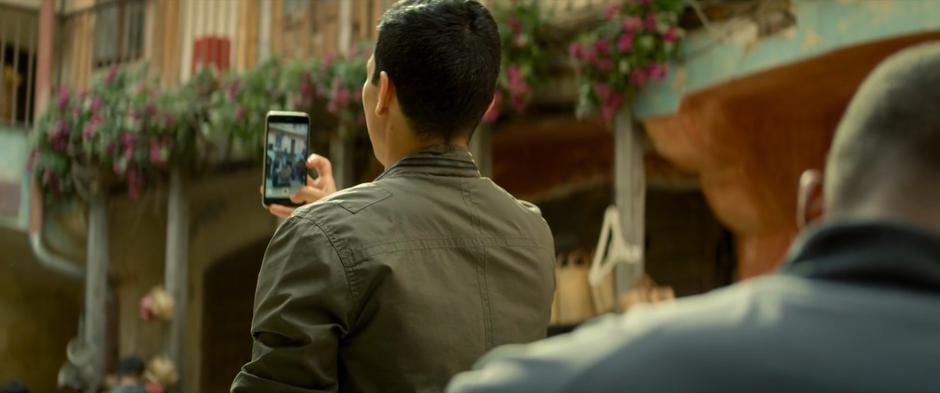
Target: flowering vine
<point x="523" y="57"/>
<point x="616" y="60"/>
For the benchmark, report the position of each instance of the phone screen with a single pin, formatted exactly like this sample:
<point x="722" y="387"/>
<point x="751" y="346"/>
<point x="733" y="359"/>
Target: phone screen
<point x="285" y="170"/>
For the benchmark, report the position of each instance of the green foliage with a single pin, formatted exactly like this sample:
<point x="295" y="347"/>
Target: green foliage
<point x="524" y="57"/>
<point x="124" y="130"/>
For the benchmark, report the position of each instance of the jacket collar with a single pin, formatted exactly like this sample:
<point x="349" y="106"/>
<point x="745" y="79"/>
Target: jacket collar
<point x="870" y="253"/>
<point x="439" y="160"/>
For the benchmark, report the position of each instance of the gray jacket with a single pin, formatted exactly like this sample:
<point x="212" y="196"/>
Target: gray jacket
<point x="398" y="284"/>
<point x="857" y="309"/>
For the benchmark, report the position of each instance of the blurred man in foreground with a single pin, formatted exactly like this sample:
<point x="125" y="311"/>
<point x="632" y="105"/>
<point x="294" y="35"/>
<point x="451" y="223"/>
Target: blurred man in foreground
<point x="855" y="308"/>
<point x="398" y="284"/>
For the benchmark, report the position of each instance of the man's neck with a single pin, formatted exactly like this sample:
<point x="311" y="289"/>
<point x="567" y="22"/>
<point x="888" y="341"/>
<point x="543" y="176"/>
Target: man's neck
<point x="396" y="153"/>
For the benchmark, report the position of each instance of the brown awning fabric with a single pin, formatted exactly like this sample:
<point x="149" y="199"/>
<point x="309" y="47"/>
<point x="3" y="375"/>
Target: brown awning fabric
<point x="750" y="139"/>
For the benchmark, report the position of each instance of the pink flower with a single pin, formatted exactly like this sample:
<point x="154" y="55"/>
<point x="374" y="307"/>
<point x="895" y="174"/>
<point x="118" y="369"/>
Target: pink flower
<point x="151" y="109"/>
<point x="64" y="97"/>
<point x="156" y="153"/>
<point x="329" y="59"/>
<point x="625" y="43"/>
<point x="671" y="35"/>
<point x="96" y="104"/>
<point x="169" y="120"/>
<point x="493" y="113"/>
<point x="515" y="25"/>
<point x="240" y="113"/>
<point x="233" y="89"/>
<point x="602" y="91"/>
<point x="576" y="50"/>
<point x="604" y="65"/>
<point x="645" y="2"/>
<point x="342" y="96"/>
<point x="145" y="310"/>
<point x="602" y="46"/>
<point x="632" y="24"/>
<point x="112" y="73"/>
<point x="514" y="73"/>
<point x="91" y="128"/>
<point x="638" y="78"/>
<point x="128" y="140"/>
<point x="658" y="71"/>
<point x="614" y="10"/>
<point x="650" y="22"/>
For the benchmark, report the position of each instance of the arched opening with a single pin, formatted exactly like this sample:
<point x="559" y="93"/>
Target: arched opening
<point x="229" y="290"/>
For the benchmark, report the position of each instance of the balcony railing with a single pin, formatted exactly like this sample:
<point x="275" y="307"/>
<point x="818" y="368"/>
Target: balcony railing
<point x="17" y="64"/>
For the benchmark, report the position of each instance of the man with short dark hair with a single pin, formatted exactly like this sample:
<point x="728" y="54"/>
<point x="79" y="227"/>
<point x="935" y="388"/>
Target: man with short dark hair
<point x="398" y="284"/>
<point x="130" y="376"/>
<point x="855" y="308"/>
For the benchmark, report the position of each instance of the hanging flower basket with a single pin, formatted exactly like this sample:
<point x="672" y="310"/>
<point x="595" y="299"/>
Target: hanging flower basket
<point x="635" y="46"/>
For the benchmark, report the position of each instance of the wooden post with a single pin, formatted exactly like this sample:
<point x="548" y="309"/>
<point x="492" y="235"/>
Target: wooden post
<point x="343" y="148"/>
<point x="264" y="31"/>
<point x="96" y="284"/>
<point x="176" y="270"/>
<point x="481" y="146"/>
<point x="629" y="195"/>
<point x="44" y="54"/>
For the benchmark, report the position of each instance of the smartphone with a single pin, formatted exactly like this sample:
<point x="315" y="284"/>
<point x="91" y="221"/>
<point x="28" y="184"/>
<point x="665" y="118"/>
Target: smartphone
<point x="287" y="140"/>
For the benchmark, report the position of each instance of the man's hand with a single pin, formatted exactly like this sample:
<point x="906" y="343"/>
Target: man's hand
<point x="314" y="190"/>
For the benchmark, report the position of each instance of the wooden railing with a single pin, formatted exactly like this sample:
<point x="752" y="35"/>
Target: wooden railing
<point x="17" y="64"/>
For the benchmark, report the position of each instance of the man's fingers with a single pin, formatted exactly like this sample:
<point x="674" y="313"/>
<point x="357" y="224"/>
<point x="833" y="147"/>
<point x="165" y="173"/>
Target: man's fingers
<point x="320" y="164"/>
<point x="307" y="195"/>
<point x="280" y="210"/>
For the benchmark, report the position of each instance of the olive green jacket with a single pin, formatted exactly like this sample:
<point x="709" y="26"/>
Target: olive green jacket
<point x="398" y="284"/>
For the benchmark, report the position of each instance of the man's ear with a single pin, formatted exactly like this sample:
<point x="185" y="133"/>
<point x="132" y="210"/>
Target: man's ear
<point x="386" y="94"/>
<point x="809" y="204"/>
<point x="492" y="104"/>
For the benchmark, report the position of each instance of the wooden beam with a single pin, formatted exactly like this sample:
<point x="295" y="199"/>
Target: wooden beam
<point x="176" y="271"/>
<point x="277" y="27"/>
<point x="96" y="285"/>
<point x="629" y="195"/>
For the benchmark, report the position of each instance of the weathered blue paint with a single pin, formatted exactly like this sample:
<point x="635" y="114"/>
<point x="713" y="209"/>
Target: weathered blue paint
<point x="821" y="26"/>
<point x="14" y="154"/>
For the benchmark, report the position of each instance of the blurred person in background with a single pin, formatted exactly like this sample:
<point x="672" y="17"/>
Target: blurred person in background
<point x="398" y="284"/>
<point x="855" y="308"/>
<point x="14" y="387"/>
<point x="130" y="376"/>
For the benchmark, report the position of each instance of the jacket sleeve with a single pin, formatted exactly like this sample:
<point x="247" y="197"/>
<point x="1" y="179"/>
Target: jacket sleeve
<point x="300" y="314"/>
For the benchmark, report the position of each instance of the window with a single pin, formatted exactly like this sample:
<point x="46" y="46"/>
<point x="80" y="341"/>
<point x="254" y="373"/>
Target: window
<point x="119" y="31"/>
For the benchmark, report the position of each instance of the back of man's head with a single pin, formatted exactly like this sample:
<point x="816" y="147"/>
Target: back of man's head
<point x="443" y="57"/>
<point x="131" y="366"/>
<point x="885" y="157"/>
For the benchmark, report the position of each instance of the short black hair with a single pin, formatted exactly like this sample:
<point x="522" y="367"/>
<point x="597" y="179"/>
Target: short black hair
<point x="131" y="366"/>
<point x="444" y="58"/>
<point x="890" y="133"/>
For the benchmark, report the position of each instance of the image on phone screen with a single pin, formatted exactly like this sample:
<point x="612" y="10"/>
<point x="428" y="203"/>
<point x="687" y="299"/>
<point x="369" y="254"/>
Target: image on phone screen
<point x="286" y="152"/>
